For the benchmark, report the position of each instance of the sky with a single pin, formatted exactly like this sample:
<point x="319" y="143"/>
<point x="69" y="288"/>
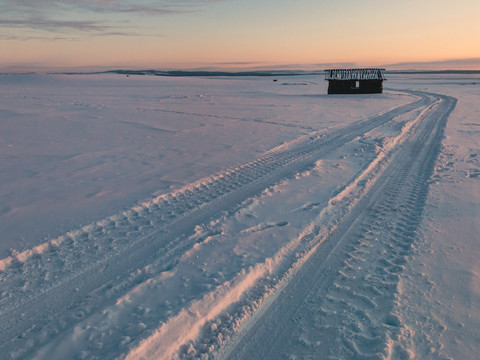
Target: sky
<point x="236" y="34"/>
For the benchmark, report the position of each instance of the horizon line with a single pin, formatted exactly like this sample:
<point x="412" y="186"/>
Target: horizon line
<point x="220" y="72"/>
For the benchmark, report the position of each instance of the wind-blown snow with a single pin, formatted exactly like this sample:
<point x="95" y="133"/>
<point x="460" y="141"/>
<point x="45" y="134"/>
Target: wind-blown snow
<point x="150" y="217"/>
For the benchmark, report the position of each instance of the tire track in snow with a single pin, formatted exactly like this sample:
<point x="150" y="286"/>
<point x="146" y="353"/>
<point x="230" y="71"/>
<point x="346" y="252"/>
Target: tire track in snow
<point x="340" y="303"/>
<point x="53" y="286"/>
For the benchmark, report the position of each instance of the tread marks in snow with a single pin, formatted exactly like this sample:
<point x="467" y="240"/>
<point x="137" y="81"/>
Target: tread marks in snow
<point x="340" y="303"/>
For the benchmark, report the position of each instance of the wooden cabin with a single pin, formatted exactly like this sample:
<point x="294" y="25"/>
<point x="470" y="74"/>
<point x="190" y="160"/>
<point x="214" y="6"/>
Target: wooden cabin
<point x="355" y="81"/>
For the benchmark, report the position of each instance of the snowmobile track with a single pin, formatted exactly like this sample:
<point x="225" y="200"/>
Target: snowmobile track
<point x="346" y="290"/>
<point x="90" y="268"/>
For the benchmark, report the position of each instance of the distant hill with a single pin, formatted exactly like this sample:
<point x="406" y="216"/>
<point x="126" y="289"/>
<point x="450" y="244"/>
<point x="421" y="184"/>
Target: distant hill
<point x="272" y="73"/>
<point x="180" y="73"/>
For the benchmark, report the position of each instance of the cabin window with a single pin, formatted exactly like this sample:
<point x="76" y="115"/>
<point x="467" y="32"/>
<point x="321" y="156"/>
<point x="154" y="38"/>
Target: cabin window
<point x="357" y="84"/>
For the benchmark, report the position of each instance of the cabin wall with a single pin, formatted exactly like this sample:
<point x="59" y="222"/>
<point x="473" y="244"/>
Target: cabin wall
<point x="371" y="86"/>
<point x="349" y="87"/>
<point x="341" y="86"/>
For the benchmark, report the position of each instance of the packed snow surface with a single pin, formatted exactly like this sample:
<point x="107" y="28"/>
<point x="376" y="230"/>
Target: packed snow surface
<point x="148" y="217"/>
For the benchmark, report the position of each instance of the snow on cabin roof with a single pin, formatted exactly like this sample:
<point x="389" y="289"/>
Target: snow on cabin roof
<point x="355" y="74"/>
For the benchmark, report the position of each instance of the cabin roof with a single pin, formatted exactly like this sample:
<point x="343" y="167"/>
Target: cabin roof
<point x="355" y="74"/>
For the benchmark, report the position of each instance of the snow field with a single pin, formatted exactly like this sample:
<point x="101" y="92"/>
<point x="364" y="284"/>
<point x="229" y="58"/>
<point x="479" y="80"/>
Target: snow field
<point x="188" y="272"/>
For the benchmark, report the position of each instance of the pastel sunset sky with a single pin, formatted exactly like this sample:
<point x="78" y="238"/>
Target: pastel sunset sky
<point x="235" y="34"/>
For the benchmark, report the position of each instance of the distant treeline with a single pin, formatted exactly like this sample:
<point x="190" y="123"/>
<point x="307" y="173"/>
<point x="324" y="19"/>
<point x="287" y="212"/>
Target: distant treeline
<point x="214" y="73"/>
<point x="272" y="73"/>
<point x="433" y="72"/>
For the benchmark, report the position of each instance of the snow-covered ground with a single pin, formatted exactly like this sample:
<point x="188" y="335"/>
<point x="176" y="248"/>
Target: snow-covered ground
<point x="151" y="217"/>
<point x="440" y="296"/>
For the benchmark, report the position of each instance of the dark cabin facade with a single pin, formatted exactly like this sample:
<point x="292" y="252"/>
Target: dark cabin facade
<point x="355" y="81"/>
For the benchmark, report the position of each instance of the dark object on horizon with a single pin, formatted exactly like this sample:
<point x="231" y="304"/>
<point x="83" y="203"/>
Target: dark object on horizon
<point x="355" y="81"/>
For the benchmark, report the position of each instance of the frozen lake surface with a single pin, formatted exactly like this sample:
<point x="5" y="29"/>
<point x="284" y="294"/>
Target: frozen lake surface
<point x="154" y="217"/>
